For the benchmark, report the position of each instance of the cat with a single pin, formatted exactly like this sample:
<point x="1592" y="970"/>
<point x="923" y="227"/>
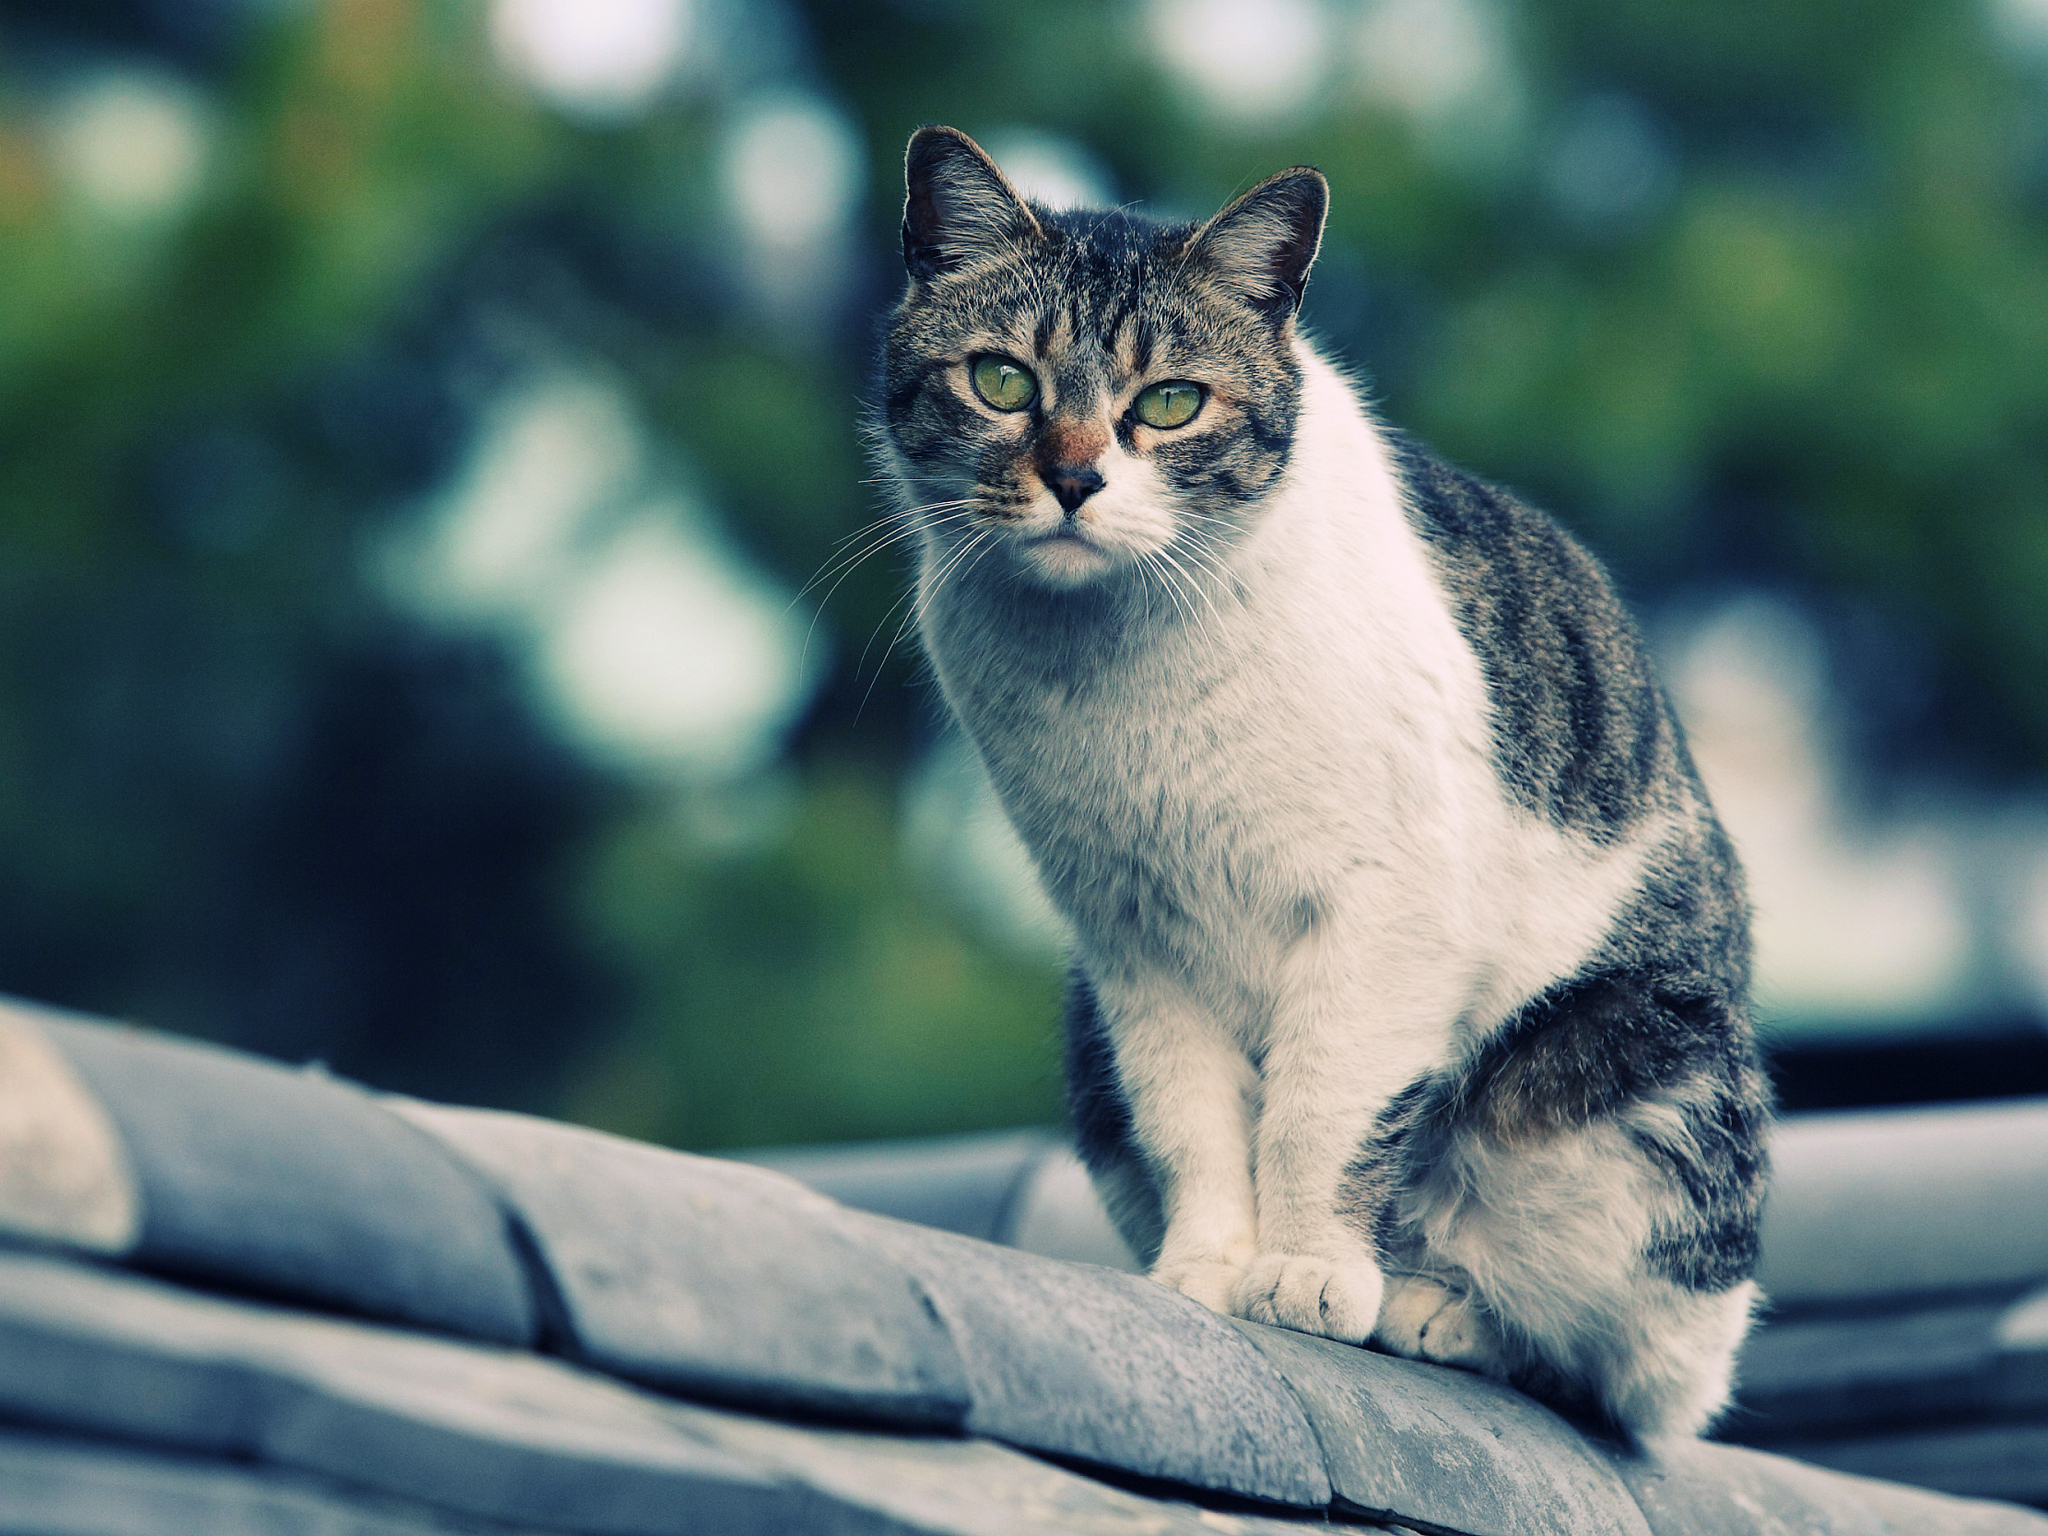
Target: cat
<point x="1409" y="995"/>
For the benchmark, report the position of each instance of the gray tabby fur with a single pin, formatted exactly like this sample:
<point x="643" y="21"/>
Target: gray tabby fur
<point x="1410" y="994"/>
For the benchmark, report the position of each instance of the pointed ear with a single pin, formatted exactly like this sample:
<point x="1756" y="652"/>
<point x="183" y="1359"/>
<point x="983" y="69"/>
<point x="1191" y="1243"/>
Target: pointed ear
<point x="959" y="207"/>
<point x="1262" y="245"/>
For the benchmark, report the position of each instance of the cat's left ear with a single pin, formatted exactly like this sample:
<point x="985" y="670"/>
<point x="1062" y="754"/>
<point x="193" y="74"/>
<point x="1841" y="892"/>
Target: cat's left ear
<point x="957" y="206"/>
<point x="1262" y="245"/>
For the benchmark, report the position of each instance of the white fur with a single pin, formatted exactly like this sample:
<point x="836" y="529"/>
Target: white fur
<point x="1548" y="1235"/>
<point x="1338" y="894"/>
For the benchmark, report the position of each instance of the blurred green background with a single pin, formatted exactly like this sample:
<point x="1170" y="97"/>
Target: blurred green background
<point x="428" y="433"/>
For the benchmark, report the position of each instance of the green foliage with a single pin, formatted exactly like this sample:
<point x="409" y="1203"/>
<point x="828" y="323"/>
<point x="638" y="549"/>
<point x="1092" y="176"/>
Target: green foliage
<point x="802" y="989"/>
<point x="1814" y="355"/>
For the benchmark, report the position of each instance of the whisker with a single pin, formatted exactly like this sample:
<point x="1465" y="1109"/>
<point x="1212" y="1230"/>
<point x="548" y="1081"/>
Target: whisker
<point x="846" y="565"/>
<point x="1219" y="577"/>
<point x="843" y="564"/>
<point x="1167" y="556"/>
<point x="1167" y="580"/>
<point x="1182" y="584"/>
<point x="980" y="541"/>
<point x="1145" y="586"/>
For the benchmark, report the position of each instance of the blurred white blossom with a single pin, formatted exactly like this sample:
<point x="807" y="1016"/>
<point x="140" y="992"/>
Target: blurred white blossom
<point x="134" y="144"/>
<point x="592" y="58"/>
<point x="1253" y="60"/>
<point x="654" y="643"/>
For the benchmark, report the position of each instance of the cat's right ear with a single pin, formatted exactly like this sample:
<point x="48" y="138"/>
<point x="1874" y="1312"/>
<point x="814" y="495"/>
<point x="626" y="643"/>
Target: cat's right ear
<point x="958" y="207"/>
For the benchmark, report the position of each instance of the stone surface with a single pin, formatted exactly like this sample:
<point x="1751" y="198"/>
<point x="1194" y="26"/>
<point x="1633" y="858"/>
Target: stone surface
<point x="1698" y="1489"/>
<point x="1425" y="1445"/>
<point x="1111" y="1369"/>
<point x="64" y="1175"/>
<point x="56" y="1487"/>
<point x="1995" y="1460"/>
<point x="712" y="1277"/>
<point x="482" y="1432"/>
<point x="969" y="1487"/>
<point x="298" y="1184"/>
<point x="448" y="1434"/>
<point x="965" y="1184"/>
<point x="1826" y="1374"/>
<point x="1891" y="1202"/>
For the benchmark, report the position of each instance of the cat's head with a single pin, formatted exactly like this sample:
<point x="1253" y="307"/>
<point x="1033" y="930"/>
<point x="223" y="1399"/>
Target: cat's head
<point x="1086" y="396"/>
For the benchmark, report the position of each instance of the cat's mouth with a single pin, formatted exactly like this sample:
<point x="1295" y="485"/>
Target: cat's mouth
<point x="1066" y="555"/>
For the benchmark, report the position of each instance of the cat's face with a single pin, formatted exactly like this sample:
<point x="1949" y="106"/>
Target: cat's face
<point x="1088" y="397"/>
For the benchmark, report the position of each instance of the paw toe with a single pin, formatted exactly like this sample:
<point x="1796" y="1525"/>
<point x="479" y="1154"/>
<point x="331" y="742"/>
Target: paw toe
<point x="1334" y="1298"/>
<point x="1211" y="1282"/>
<point x="1425" y="1319"/>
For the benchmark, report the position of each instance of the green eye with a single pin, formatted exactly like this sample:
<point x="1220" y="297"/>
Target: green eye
<point x="1003" y="384"/>
<point x="1172" y="404"/>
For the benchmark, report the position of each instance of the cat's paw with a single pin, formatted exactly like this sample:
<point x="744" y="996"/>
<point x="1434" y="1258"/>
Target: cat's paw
<point x="1338" y="1298"/>
<point x="1425" y="1319"/>
<point x="1212" y="1282"/>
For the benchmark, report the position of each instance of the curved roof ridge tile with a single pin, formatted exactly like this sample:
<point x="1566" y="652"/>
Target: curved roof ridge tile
<point x="64" y="1173"/>
<point x="712" y="1277"/>
<point x="295" y="1183"/>
<point x="721" y="1281"/>
<point x="1110" y="1369"/>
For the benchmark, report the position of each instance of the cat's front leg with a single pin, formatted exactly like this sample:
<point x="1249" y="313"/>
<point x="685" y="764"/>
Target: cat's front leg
<point x="1359" y="1017"/>
<point x="1191" y="1093"/>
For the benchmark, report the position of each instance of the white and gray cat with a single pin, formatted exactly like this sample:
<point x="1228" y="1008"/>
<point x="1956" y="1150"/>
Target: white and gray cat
<point x="1410" y="988"/>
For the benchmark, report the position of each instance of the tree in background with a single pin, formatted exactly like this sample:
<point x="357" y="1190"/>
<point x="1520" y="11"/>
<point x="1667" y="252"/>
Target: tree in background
<point x="1753" y="293"/>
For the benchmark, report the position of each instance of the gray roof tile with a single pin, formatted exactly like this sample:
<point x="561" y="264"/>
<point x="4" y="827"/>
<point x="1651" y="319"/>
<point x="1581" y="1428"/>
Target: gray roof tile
<point x="1830" y="1373"/>
<point x="1698" y="1489"/>
<point x="967" y="1486"/>
<point x="1111" y="1369"/>
<point x="167" y="1409"/>
<point x="462" y="1429"/>
<point x="298" y="1184"/>
<point x="713" y="1277"/>
<point x="1995" y="1459"/>
<point x="486" y="1432"/>
<point x="1422" y="1445"/>
<point x="964" y="1184"/>
<point x="54" y="1486"/>
<point x="1893" y="1201"/>
<point x="64" y="1175"/>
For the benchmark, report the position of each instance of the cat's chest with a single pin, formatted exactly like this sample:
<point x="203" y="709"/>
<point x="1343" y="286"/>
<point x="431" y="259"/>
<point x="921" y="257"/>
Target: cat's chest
<point x="1180" y="790"/>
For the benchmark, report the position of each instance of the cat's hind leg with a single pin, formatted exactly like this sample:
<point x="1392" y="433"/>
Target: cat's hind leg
<point x="1588" y="1269"/>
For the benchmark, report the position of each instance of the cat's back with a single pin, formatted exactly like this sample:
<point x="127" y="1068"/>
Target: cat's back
<point x="1582" y="733"/>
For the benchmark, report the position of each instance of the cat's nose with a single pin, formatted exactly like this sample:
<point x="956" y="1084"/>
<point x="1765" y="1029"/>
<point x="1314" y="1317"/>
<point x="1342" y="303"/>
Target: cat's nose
<point x="1072" y="484"/>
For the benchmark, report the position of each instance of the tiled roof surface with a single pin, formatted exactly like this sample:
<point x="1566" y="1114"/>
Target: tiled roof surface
<point x="239" y="1298"/>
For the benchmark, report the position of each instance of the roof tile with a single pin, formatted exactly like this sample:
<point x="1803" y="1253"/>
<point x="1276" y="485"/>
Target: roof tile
<point x="64" y="1175"/>
<point x="1111" y="1369"/>
<point x="483" y="1431"/>
<point x="297" y="1184"/>
<point x="455" y="1428"/>
<point x="713" y="1277"/>
<point x="1423" y="1445"/>
<point x="65" y="1487"/>
<point x="1890" y="1202"/>
<point x="1693" y="1488"/>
